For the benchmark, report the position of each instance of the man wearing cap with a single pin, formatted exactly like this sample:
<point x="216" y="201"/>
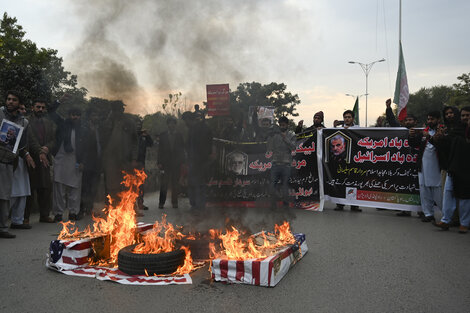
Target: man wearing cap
<point x="318" y="119"/>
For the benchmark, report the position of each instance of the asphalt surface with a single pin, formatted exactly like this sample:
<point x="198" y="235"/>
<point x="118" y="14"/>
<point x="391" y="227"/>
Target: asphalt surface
<point x="372" y="261"/>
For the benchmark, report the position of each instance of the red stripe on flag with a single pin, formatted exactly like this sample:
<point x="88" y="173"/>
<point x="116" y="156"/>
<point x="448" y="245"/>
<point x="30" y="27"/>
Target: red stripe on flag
<point x="402" y="114"/>
<point x="255" y="272"/>
<point x="223" y="268"/>
<point x="75" y="261"/>
<point x="81" y="246"/>
<point x="240" y="270"/>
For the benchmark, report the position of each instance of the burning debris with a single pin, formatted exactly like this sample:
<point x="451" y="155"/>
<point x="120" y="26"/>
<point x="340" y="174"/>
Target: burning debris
<point x="118" y="248"/>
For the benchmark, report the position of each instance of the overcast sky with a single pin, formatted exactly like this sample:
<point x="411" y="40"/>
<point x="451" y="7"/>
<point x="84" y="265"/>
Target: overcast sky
<point x="157" y="47"/>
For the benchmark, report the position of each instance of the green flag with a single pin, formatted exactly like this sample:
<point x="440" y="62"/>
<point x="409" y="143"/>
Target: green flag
<point x="356" y="112"/>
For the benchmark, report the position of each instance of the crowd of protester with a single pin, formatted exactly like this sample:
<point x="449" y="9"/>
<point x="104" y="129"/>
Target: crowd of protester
<point x="58" y="162"/>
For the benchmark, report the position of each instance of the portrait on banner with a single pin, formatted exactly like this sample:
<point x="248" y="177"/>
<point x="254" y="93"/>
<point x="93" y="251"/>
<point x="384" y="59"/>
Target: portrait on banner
<point x="10" y="135"/>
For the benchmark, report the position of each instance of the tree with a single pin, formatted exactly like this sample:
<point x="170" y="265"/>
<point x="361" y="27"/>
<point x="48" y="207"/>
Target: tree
<point x="273" y="94"/>
<point x="428" y="99"/>
<point x="461" y="96"/>
<point x="32" y="71"/>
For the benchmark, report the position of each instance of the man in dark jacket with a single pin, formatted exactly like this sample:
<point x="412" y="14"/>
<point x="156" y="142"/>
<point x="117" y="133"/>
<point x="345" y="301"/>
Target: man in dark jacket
<point x="92" y="152"/>
<point x="41" y="140"/>
<point x="409" y="122"/>
<point x="457" y="185"/>
<point x="199" y="152"/>
<point x="318" y="119"/>
<point x="170" y="158"/>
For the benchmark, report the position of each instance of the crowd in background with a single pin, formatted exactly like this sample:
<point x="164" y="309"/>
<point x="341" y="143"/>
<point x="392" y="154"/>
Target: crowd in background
<point x="58" y="162"/>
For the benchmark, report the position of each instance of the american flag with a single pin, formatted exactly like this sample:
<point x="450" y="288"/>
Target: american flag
<point x="71" y="257"/>
<point x="260" y="272"/>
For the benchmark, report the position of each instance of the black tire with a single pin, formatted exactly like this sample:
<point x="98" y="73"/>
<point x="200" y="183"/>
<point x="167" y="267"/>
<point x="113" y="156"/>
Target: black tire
<point x="161" y="263"/>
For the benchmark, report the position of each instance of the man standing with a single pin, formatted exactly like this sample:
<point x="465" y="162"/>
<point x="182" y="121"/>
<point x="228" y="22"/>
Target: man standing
<point x="317" y="124"/>
<point x="8" y="158"/>
<point x="144" y="142"/>
<point x="281" y="144"/>
<point x="20" y="188"/>
<point x="199" y="151"/>
<point x="91" y="161"/>
<point x="121" y="149"/>
<point x="457" y="184"/>
<point x="170" y="158"/>
<point x="68" y="167"/>
<point x="409" y="122"/>
<point x="347" y="122"/>
<point x="429" y="175"/>
<point x="41" y="141"/>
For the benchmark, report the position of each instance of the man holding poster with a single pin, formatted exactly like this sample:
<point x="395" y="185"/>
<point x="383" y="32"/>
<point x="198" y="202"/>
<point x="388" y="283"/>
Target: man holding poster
<point x="10" y="116"/>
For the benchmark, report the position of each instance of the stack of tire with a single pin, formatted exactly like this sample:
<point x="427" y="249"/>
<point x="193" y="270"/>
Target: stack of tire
<point x="141" y="264"/>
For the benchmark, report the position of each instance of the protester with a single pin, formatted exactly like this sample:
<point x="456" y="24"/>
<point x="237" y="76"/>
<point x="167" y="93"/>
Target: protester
<point x="120" y="150"/>
<point x="41" y="141"/>
<point x="347" y="122"/>
<point x="20" y="188"/>
<point x="457" y="184"/>
<point x="429" y="168"/>
<point x="318" y="119"/>
<point x="409" y="122"/>
<point x="92" y="159"/>
<point x="10" y="113"/>
<point x="169" y="161"/>
<point x="261" y="129"/>
<point x="281" y="143"/>
<point x="68" y="166"/>
<point x="144" y="141"/>
<point x="199" y="151"/>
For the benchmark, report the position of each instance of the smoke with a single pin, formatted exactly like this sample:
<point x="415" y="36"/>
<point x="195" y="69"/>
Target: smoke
<point x="247" y="220"/>
<point x="140" y="51"/>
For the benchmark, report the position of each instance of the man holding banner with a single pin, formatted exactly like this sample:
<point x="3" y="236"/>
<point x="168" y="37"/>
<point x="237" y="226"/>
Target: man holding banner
<point x="429" y="175"/>
<point x="281" y="143"/>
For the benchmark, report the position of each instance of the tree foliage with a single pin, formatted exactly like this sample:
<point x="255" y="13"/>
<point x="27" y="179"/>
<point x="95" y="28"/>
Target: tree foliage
<point x="461" y="96"/>
<point x="426" y="100"/>
<point x="273" y="94"/>
<point x="32" y="71"/>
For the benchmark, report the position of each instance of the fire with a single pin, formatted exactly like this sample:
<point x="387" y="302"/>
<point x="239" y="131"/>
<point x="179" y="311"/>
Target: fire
<point x="160" y="239"/>
<point x="240" y="246"/>
<point x="120" y="225"/>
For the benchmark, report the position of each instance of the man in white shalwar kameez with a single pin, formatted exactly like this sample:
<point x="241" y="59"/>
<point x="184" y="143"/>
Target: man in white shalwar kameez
<point x="67" y="168"/>
<point x="430" y="188"/>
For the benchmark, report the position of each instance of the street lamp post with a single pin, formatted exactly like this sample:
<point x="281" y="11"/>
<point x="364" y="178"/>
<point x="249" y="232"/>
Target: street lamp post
<point x="366" y="68"/>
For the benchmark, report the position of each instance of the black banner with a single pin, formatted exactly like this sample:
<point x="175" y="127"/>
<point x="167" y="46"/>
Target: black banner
<point x="242" y="174"/>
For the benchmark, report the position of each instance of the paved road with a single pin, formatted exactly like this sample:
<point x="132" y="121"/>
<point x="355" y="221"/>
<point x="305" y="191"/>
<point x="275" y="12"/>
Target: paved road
<point x="357" y="262"/>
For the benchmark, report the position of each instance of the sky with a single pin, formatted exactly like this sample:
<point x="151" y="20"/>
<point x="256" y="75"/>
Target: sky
<point x="143" y="50"/>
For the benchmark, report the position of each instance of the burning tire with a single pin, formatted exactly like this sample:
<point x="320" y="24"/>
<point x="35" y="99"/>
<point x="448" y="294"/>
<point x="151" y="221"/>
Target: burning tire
<point x="161" y="263"/>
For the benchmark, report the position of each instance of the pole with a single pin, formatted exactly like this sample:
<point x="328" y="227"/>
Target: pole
<point x="367" y="92"/>
<point x="399" y="27"/>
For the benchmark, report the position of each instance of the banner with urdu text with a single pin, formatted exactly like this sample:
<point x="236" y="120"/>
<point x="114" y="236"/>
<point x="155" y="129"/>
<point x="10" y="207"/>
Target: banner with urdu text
<point x="241" y="175"/>
<point x="371" y="167"/>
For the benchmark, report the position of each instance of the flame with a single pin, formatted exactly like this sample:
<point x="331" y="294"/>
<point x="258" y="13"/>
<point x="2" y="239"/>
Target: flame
<point x="239" y="246"/>
<point x="188" y="265"/>
<point x="120" y="225"/>
<point x="160" y="239"/>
